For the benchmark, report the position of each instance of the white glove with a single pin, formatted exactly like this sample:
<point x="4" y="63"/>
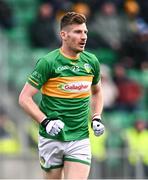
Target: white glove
<point x="52" y="127"/>
<point x="97" y="127"/>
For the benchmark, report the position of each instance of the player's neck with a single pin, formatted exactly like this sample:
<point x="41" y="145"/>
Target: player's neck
<point x="69" y="53"/>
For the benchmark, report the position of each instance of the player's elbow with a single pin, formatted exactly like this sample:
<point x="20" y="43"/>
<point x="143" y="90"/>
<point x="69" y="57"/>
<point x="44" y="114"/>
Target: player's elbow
<point x="21" y="99"/>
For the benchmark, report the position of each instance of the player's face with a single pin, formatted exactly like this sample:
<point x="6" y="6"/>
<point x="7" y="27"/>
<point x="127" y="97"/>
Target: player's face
<point x="75" y="37"/>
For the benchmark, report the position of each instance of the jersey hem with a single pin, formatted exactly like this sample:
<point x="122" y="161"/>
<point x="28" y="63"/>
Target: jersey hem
<point x="63" y="140"/>
<point x="31" y="83"/>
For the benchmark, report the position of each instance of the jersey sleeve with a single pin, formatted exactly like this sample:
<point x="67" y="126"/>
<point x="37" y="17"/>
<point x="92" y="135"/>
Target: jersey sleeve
<point x="40" y="74"/>
<point x="96" y="71"/>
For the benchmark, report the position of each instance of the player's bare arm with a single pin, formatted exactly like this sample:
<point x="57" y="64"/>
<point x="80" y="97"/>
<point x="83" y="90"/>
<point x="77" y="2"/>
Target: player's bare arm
<point x="27" y="103"/>
<point x="97" y="99"/>
<point x="97" y="107"/>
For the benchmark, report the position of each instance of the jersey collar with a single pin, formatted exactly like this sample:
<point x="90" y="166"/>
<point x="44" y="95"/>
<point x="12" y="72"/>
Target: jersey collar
<point x="69" y="57"/>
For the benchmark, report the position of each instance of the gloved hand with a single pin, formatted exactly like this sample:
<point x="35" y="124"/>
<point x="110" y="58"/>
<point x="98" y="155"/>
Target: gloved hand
<point x="97" y="127"/>
<point x="53" y="127"/>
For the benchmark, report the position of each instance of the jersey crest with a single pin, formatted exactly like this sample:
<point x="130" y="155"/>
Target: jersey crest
<point x="87" y="67"/>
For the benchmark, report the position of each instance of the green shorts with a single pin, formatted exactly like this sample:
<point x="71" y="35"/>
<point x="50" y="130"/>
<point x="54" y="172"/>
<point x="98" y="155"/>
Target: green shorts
<point x="53" y="153"/>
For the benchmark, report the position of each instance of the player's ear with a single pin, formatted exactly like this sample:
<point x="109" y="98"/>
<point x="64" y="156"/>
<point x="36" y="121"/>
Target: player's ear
<point x="63" y="35"/>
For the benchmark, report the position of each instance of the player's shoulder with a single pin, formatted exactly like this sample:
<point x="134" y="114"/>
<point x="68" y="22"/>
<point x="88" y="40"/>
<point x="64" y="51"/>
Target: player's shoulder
<point x="89" y="55"/>
<point x="48" y="59"/>
<point x="52" y="55"/>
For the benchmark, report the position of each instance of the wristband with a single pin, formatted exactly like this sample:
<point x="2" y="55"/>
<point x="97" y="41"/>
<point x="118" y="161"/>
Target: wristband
<point x="96" y="119"/>
<point x="96" y="116"/>
<point x="45" y="122"/>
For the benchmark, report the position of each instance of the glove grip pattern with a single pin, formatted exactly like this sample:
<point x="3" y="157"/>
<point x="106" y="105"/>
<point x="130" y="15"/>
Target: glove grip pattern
<point x="95" y="119"/>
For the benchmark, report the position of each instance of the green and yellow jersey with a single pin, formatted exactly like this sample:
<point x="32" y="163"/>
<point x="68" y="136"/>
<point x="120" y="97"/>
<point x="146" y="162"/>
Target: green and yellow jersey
<point x="65" y="85"/>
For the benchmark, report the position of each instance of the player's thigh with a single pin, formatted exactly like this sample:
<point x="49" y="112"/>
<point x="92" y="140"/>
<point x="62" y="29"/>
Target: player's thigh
<point x="53" y="174"/>
<point x="76" y="170"/>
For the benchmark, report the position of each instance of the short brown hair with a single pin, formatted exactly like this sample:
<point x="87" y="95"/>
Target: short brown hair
<point x="72" y="18"/>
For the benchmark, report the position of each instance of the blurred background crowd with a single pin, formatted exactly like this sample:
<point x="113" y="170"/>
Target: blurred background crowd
<point x="118" y="36"/>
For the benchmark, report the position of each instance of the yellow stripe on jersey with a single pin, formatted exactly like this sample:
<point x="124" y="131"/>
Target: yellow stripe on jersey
<point x="33" y="81"/>
<point x="69" y="57"/>
<point x="68" y="87"/>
